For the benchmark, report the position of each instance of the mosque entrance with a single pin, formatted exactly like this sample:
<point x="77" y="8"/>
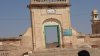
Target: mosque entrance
<point x="52" y="36"/>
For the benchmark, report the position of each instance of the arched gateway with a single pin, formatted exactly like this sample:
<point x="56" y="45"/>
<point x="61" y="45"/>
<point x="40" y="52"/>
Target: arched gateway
<point x="48" y="17"/>
<point x="52" y="33"/>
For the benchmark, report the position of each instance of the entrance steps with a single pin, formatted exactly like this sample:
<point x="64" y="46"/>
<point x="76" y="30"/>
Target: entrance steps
<point x="54" y="52"/>
<point x="65" y="52"/>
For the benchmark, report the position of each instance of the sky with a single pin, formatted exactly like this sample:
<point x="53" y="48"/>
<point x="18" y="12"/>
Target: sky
<point x="15" y="16"/>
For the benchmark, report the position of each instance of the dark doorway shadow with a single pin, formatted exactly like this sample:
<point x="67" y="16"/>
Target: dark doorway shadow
<point x="83" y="53"/>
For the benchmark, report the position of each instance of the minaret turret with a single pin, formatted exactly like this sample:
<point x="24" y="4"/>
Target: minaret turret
<point x="95" y="22"/>
<point x="95" y="15"/>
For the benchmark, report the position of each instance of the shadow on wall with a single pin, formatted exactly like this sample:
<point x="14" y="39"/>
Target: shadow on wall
<point x="83" y="53"/>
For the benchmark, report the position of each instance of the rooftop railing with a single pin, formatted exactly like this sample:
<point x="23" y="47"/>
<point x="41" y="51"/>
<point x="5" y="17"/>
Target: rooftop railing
<point x="4" y="53"/>
<point x="49" y="1"/>
<point x="8" y="47"/>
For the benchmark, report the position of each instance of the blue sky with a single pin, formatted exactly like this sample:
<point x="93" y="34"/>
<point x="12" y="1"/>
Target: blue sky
<point x="15" y="18"/>
<point x="81" y="14"/>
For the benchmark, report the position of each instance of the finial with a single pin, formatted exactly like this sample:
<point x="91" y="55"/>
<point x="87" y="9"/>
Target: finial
<point x="95" y="11"/>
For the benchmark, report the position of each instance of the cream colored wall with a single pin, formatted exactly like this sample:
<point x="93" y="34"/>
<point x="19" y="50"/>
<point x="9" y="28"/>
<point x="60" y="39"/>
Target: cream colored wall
<point x="26" y="39"/>
<point x="74" y="39"/>
<point x="10" y="42"/>
<point x="67" y="40"/>
<point x="39" y="15"/>
<point x="62" y="14"/>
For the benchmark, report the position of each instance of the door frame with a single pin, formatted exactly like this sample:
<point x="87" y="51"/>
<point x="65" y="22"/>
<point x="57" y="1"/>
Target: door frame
<point x="58" y="33"/>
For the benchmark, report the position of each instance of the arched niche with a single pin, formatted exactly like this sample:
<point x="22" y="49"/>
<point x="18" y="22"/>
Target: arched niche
<point x="83" y="53"/>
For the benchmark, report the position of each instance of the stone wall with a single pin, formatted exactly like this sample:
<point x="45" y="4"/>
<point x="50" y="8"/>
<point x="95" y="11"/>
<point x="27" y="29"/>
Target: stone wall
<point x="66" y="52"/>
<point x="13" y="50"/>
<point x="10" y="42"/>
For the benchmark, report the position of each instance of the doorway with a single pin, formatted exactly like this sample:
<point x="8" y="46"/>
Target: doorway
<point x="52" y="36"/>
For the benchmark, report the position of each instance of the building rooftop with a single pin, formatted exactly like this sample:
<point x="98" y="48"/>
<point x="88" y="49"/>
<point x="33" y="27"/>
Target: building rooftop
<point x="9" y="38"/>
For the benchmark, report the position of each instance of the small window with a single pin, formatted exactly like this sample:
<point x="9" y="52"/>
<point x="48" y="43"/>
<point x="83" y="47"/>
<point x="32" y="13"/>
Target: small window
<point x="95" y="16"/>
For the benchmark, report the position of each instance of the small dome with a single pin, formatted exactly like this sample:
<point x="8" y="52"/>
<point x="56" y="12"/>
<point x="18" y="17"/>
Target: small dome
<point x="95" y="11"/>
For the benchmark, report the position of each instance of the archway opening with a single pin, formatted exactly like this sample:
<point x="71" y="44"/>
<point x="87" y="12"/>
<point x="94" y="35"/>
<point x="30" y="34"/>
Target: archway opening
<point x="52" y="36"/>
<point x="83" y="53"/>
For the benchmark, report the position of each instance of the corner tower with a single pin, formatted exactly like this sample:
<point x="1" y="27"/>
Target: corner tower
<point x="95" y="22"/>
<point x="46" y="14"/>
